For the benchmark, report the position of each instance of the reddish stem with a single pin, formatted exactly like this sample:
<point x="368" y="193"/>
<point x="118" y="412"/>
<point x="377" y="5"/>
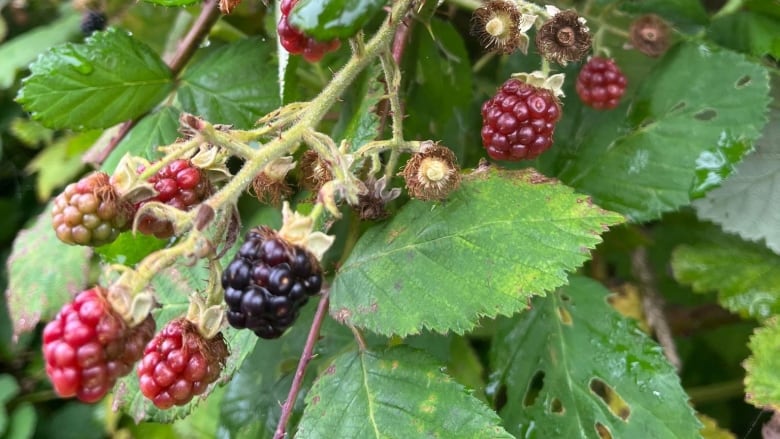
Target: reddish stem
<point x="208" y="16"/>
<point x="300" y="372"/>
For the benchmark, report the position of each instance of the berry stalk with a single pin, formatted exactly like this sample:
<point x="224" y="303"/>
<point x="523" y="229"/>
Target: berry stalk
<point x="314" y="112"/>
<point x="393" y="81"/>
<point x="300" y="371"/>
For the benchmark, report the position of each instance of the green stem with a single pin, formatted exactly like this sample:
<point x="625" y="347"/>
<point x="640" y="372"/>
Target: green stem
<point x="313" y="114"/>
<point x="393" y="81"/>
<point x="716" y="392"/>
<point x="180" y="150"/>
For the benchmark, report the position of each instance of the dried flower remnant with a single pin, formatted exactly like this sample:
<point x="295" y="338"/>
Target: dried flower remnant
<point x="501" y="26"/>
<point x="650" y="35"/>
<point x="432" y="173"/>
<point x="563" y="38"/>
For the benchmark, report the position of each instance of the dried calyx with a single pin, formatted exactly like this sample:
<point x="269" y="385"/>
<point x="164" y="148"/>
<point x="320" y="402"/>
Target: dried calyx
<point x="501" y="26"/>
<point x="563" y="38"/>
<point x="650" y="35"/>
<point x="432" y="173"/>
<point x="371" y="205"/>
<point x="269" y="186"/>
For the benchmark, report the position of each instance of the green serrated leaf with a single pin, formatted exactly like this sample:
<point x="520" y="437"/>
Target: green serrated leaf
<point x="20" y="51"/>
<point x="762" y="382"/>
<point x="327" y="20"/>
<point x="745" y="203"/>
<point x="35" y="289"/>
<point x="60" y="162"/>
<point x="749" y="32"/>
<point x="399" y="393"/>
<point x="109" y="78"/>
<point x="157" y="129"/>
<point x="501" y="238"/>
<point x="745" y="275"/>
<point x="572" y="367"/>
<point x="680" y="137"/>
<point x="232" y="84"/>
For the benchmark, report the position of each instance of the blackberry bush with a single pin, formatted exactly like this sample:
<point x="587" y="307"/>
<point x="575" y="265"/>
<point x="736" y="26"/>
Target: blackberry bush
<point x="446" y="278"/>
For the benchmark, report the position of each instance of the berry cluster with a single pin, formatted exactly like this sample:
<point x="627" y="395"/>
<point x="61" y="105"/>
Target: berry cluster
<point x="88" y="346"/>
<point x="179" y="364"/>
<point x="179" y="184"/>
<point x="601" y="84"/>
<point x="518" y="122"/>
<point x="90" y="212"/>
<point x="296" y="42"/>
<point x="267" y="283"/>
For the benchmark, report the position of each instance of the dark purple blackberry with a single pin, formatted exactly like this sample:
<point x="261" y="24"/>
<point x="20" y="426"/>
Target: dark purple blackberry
<point x="93" y="21"/>
<point x="268" y="282"/>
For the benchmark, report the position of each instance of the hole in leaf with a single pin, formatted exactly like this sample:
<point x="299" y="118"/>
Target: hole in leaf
<point x="556" y="406"/>
<point x="743" y="81"/>
<point x="614" y="402"/>
<point x="679" y="106"/>
<point x="706" y="115"/>
<point x="565" y="298"/>
<point x="534" y="387"/>
<point x="603" y="431"/>
<point x="563" y="313"/>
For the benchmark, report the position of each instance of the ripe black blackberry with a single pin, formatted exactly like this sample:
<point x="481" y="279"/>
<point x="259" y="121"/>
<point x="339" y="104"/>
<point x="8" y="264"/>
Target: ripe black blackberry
<point x="93" y="21"/>
<point x="268" y="282"/>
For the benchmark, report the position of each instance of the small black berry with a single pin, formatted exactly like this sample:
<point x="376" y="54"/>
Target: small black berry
<point x="93" y="21"/>
<point x="267" y="283"/>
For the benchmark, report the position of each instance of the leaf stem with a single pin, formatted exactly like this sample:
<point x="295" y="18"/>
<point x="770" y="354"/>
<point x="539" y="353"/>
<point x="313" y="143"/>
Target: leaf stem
<point x="393" y="82"/>
<point x="300" y="372"/>
<point x="716" y="392"/>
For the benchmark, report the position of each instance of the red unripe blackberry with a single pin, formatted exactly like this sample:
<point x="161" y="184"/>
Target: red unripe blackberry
<point x="296" y="42"/>
<point x="601" y="84"/>
<point x="267" y="283"/>
<point x="519" y="121"/>
<point x="90" y="212"/>
<point x="88" y="346"/>
<point x="179" y="364"/>
<point x="179" y="184"/>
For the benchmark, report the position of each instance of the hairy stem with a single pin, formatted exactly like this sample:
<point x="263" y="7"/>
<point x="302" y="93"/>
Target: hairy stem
<point x="300" y="372"/>
<point x="314" y="113"/>
<point x="393" y="80"/>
